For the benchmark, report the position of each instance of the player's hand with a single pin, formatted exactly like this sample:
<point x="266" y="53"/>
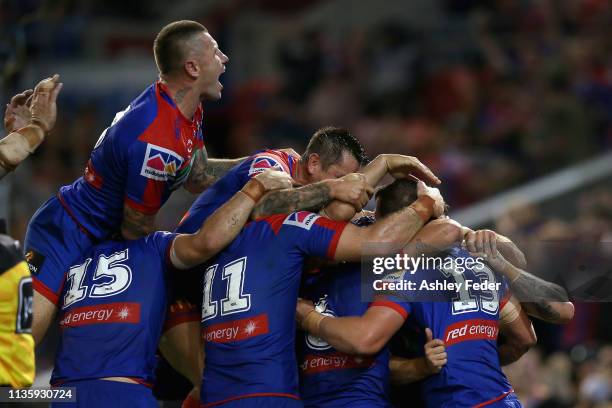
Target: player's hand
<point x="433" y="193"/>
<point x="400" y="166"/>
<point x="274" y="179"/>
<point x="43" y="109"/>
<point x="303" y="308"/>
<point x="481" y="241"/>
<point x="435" y="353"/>
<point x="496" y="261"/>
<point x="17" y="113"/>
<point x="352" y="189"/>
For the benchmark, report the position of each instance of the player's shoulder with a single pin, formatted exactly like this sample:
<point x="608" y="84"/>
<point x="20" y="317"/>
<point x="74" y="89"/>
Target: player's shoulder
<point x="137" y="117"/>
<point x="270" y="159"/>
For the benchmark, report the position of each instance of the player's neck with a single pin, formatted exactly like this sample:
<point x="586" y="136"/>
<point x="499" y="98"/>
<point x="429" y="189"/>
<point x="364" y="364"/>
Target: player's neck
<point x="301" y="173"/>
<point x="183" y="95"/>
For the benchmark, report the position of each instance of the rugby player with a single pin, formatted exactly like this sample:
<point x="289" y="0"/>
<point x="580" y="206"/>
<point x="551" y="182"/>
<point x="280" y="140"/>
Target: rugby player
<point x="465" y="380"/>
<point x="151" y="148"/>
<point x="28" y="118"/>
<point x="250" y="293"/>
<point x="113" y="303"/>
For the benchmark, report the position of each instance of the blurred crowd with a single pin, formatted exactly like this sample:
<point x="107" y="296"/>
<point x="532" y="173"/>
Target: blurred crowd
<point x="495" y="94"/>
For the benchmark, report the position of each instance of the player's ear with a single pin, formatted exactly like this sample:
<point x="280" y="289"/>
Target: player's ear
<point x="314" y="164"/>
<point x="192" y="68"/>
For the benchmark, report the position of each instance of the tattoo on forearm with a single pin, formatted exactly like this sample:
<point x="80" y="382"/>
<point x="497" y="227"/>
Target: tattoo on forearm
<point x="136" y="224"/>
<point x="205" y="172"/>
<point x="312" y="197"/>
<point x="528" y="288"/>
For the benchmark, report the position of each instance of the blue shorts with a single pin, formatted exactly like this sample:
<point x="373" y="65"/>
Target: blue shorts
<point x="54" y="242"/>
<point x="262" y="402"/>
<point x="105" y="394"/>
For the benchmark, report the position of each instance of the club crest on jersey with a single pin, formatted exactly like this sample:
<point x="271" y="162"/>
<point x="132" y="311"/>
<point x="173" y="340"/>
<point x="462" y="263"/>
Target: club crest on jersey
<point x="262" y="163"/>
<point x="160" y="163"/>
<point x="302" y="219"/>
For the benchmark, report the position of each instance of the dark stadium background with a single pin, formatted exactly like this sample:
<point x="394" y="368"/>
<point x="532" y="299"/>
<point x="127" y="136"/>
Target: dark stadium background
<point x="492" y="95"/>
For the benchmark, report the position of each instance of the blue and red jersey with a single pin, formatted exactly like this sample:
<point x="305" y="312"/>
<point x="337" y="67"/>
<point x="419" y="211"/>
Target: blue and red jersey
<point x="330" y="378"/>
<point x="468" y="323"/>
<point x="220" y="192"/>
<point x="139" y="160"/>
<point x="112" y="310"/>
<point x="248" y="307"/>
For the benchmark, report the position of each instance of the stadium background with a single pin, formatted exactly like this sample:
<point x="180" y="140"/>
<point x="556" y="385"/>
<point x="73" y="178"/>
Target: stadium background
<point x="492" y="95"/>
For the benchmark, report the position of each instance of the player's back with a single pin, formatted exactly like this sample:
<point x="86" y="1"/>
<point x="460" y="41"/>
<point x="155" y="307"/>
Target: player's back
<point x="139" y="160"/>
<point x="330" y="378"/>
<point x="248" y="307"/>
<point x="228" y="185"/>
<point x="112" y="309"/>
<point x="468" y="324"/>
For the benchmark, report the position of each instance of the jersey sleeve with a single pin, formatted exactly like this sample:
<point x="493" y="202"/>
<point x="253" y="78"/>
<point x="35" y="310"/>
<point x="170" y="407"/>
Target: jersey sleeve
<point x="162" y="242"/>
<point x="270" y="159"/>
<point x="504" y="292"/>
<point x="395" y="300"/>
<point x="312" y="234"/>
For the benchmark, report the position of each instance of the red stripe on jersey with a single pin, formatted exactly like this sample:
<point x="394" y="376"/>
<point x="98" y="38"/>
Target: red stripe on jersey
<point x="44" y="290"/>
<point x="504" y="395"/>
<point x="505" y="300"/>
<point x="319" y="363"/>
<point x="104" y="313"/>
<point x="258" y="394"/>
<point x="473" y="329"/>
<point x="337" y="227"/>
<point x="92" y="176"/>
<point x="391" y="305"/>
<point x="181" y="312"/>
<point x="237" y="330"/>
<point x="275" y="221"/>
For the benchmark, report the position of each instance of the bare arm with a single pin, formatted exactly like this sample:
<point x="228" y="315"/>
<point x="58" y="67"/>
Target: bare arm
<point x="399" y="166"/>
<point x="539" y="298"/>
<point x="351" y="188"/>
<point x="181" y="346"/>
<point x="28" y="118"/>
<point x="43" y="313"/>
<point x="363" y="335"/>
<point x="136" y="224"/>
<point x="397" y="228"/>
<point x="223" y="225"/>
<point x="205" y="171"/>
<point x="518" y="332"/>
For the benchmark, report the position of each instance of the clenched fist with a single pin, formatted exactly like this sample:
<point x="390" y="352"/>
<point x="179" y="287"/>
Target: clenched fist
<point x="352" y="189"/>
<point x="274" y="179"/>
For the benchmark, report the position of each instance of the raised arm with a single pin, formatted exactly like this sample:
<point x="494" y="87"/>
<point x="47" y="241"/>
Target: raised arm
<point x="397" y="165"/>
<point x="396" y="229"/>
<point x="224" y="224"/>
<point x="351" y="188"/>
<point x="517" y="331"/>
<point x="206" y="171"/>
<point x="539" y="298"/>
<point x="28" y="118"/>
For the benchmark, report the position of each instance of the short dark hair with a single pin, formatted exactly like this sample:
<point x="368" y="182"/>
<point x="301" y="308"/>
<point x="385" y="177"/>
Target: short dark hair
<point x="331" y="142"/>
<point x="168" y="46"/>
<point x="395" y="196"/>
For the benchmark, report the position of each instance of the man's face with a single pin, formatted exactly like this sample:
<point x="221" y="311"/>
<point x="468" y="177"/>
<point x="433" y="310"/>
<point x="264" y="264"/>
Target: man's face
<point x="211" y="62"/>
<point x="347" y="164"/>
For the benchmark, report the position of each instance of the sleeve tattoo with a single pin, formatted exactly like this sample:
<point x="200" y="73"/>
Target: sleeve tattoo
<point x="206" y="171"/>
<point x="528" y="288"/>
<point x="311" y="197"/>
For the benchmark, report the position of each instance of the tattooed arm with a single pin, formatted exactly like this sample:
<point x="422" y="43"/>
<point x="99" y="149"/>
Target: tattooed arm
<point x="136" y="224"/>
<point x="539" y="298"/>
<point x="351" y="188"/>
<point x="205" y="171"/>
